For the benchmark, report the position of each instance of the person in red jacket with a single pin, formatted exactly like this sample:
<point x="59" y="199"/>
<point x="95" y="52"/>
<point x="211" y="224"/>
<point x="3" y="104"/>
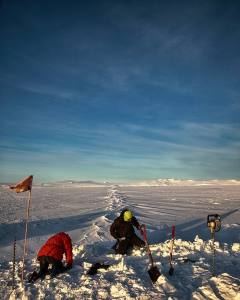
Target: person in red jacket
<point x="51" y="253"/>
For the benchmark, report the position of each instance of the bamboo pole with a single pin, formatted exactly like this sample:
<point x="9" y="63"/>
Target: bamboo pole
<point x="26" y="232"/>
<point x="14" y="262"/>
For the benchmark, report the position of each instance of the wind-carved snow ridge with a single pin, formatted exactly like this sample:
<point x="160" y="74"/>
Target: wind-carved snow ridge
<point x="115" y="200"/>
<point x="97" y="239"/>
<point x="99" y="230"/>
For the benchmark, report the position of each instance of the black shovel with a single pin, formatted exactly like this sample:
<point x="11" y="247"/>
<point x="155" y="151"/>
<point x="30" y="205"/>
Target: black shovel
<point x="153" y="271"/>
<point x="171" y="270"/>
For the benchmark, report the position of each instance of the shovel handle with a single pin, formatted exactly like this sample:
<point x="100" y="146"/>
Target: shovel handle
<point x="144" y="233"/>
<point x="171" y="245"/>
<point x="173" y="232"/>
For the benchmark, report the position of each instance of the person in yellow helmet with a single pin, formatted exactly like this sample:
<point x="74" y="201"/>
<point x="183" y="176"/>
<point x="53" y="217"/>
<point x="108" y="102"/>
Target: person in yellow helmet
<point x="122" y="230"/>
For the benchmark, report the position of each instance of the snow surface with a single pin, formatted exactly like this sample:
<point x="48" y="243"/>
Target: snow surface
<point x="86" y="211"/>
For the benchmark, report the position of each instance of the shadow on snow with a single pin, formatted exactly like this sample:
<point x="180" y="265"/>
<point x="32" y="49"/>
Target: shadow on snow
<point x="188" y="230"/>
<point x="45" y="227"/>
<point x="185" y="231"/>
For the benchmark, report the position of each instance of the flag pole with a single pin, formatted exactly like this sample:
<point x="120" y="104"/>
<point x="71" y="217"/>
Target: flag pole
<point x="26" y="232"/>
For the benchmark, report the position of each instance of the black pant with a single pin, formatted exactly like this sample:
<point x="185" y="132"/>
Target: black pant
<point x="45" y="261"/>
<point x="125" y="245"/>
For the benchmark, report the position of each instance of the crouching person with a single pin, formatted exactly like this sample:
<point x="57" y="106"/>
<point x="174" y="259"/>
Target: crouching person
<point x="51" y="253"/>
<point x="122" y="230"/>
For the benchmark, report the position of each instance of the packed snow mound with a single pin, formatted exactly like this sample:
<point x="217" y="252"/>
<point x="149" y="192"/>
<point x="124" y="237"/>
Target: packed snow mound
<point x="127" y="276"/>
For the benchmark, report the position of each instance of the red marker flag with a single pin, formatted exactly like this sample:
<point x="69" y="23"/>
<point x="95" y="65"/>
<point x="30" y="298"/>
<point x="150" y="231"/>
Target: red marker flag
<point x="24" y="185"/>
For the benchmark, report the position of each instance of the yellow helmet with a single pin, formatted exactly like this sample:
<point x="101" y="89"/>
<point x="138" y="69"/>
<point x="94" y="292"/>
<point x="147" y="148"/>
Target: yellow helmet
<point x="127" y="216"/>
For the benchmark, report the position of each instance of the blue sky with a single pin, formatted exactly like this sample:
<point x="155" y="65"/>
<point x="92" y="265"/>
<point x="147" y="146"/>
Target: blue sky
<point x="119" y="90"/>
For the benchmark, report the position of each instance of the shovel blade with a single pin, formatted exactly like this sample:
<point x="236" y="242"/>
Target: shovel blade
<point x="154" y="273"/>
<point x="171" y="270"/>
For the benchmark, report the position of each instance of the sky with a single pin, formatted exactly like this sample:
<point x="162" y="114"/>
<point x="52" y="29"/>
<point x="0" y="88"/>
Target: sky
<point x="119" y="90"/>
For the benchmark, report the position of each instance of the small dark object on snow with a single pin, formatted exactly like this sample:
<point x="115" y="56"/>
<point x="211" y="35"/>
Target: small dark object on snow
<point x="95" y="267"/>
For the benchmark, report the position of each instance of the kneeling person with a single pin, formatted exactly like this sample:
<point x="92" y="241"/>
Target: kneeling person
<point x="122" y="229"/>
<point x="51" y="253"/>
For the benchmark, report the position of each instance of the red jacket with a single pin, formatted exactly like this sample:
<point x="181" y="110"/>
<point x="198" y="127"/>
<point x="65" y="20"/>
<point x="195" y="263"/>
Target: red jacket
<point x="56" y="246"/>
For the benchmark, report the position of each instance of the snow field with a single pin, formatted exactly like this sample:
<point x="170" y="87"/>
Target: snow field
<point x="87" y="215"/>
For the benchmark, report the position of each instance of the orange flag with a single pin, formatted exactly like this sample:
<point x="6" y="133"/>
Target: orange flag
<point x="24" y="185"/>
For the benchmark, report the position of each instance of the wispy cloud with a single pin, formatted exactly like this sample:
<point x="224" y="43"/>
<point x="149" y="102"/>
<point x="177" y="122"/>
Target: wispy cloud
<point x="37" y="88"/>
